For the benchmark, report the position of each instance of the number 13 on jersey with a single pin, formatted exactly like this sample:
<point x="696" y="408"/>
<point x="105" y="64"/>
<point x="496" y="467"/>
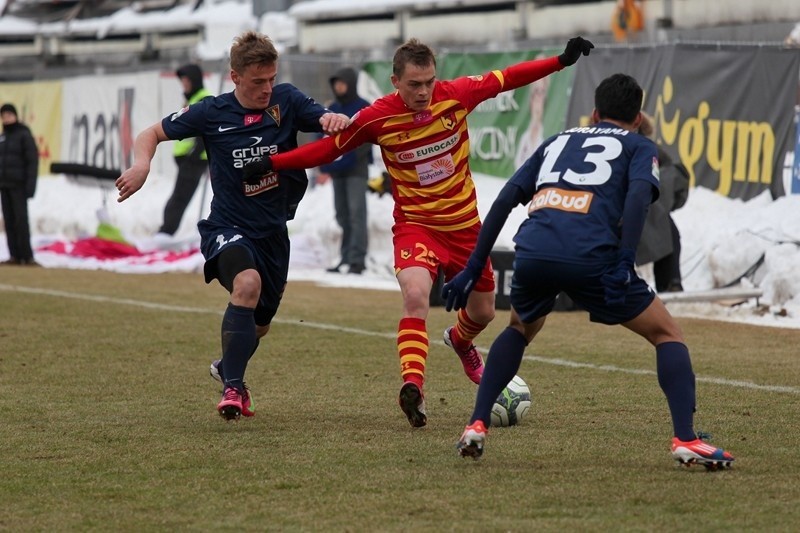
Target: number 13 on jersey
<point x="596" y="151"/>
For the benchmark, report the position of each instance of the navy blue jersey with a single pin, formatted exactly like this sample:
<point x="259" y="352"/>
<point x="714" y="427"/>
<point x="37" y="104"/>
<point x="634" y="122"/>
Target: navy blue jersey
<point x="235" y="136"/>
<point x="577" y="182"/>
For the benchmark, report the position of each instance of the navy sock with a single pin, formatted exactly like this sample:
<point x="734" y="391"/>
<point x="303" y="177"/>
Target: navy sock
<point x="238" y="339"/>
<point x="221" y="369"/>
<point x="676" y="378"/>
<point x="255" y="347"/>
<point x="502" y="364"/>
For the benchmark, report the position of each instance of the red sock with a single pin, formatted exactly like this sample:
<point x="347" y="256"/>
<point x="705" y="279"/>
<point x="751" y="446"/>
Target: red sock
<point x="465" y="330"/>
<point x="412" y="347"/>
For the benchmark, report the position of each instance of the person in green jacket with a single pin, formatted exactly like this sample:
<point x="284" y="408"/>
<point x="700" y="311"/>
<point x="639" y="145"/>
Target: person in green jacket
<point x="190" y="155"/>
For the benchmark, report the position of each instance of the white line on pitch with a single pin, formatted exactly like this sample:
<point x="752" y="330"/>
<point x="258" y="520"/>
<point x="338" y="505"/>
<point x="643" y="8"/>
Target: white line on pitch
<point x="356" y="331"/>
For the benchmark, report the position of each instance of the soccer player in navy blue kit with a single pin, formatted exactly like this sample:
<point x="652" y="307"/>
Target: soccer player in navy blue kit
<point x="244" y="239"/>
<point x="588" y="190"/>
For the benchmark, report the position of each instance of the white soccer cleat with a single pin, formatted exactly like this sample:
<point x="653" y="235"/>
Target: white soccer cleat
<point x="471" y="442"/>
<point x="215" y="370"/>
<point x="699" y="452"/>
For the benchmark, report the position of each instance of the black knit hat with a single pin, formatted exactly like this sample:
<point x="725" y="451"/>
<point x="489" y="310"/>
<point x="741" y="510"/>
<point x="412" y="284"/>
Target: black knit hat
<point x="8" y="108"/>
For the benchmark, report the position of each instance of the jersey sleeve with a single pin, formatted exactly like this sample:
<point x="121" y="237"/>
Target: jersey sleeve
<point x="187" y="122"/>
<point x="327" y="149"/>
<point x="308" y="111"/>
<point x="528" y="72"/>
<point x="644" y="166"/>
<point x="475" y="89"/>
<point x="472" y="90"/>
<point x="526" y="176"/>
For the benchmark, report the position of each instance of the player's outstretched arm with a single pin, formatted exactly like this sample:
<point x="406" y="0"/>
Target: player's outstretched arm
<point x="522" y="74"/>
<point x="325" y="150"/>
<point x="310" y="155"/>
<point x="144" y="148"/>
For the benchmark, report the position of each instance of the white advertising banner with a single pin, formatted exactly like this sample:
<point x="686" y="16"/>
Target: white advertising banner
<point x="102" y="115"/>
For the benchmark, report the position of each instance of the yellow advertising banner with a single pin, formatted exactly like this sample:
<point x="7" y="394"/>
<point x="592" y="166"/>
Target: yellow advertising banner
<point x="38" y="105"/>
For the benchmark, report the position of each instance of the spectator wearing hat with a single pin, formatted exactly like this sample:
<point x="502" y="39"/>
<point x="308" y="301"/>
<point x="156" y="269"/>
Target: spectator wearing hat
<point x="349" y="175"/>
<point x="190" y="156"/>
<point x="19" y="168"/>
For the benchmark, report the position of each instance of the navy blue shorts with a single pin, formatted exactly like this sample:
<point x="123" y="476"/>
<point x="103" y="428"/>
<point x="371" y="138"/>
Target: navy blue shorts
<point x="271" y="256"/>
<point x="536" y="283"/>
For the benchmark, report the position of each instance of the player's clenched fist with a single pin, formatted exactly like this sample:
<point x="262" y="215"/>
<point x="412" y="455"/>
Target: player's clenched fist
<point x="576" y="47"/>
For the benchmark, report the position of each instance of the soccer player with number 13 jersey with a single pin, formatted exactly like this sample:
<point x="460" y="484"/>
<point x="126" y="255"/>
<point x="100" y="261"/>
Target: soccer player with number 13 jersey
<point x="588" y="190"/>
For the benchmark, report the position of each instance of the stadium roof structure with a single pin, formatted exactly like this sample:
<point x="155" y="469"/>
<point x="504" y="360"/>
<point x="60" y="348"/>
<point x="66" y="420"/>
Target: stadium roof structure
<point x="349" y="9"/>
<point x="65" y="10"/>
<point x="134" y="33"/>
<point x="37" y="35"/>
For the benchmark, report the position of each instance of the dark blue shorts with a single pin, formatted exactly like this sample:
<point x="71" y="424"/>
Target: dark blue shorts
<point x="536" y="283"/>
<point x="271" y="256"/>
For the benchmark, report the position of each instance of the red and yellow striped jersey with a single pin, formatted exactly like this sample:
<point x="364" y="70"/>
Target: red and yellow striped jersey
<point x="426" y="153"/>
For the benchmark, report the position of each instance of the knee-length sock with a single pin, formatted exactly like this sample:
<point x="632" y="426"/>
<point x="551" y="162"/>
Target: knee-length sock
<point x="221" y="369"/>
<point x="412" y="347"/>
<point x="465" y="330"/>
<point x="502" y="365"/>
<point x="238" y="340"/>
<point x="676" y="378"/>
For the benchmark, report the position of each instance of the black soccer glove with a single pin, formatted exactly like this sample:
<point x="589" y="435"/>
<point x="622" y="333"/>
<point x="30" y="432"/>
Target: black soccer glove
<point x="255" y="170"/>
<point x="455" y="292"/>
<point x="617" y="280"/>
<point x="575" y="47"/>
<point x="296" y="186"/>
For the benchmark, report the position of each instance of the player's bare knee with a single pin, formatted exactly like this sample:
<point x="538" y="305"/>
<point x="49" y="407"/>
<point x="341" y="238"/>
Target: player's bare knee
<point x="246" y="288"/>
<point x="663" y="331"/>
<point x="670" y="332"/>
<point x="416" y="303"/>
<point x="666" y="327"/>
<point x="480" y="307"/>
<point x="482" y="315"/>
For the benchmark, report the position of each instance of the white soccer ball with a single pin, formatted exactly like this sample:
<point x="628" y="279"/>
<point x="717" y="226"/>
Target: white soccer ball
<point x="512" y="404"/>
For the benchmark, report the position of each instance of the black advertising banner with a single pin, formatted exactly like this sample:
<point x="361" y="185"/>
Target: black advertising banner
<point x="725" y="111"/>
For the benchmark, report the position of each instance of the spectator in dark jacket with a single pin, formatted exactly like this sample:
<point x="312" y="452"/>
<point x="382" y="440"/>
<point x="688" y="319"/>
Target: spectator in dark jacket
<point x="19" y="168"/>
<point x="661" y="241"/>
<point x="349" y="175"/>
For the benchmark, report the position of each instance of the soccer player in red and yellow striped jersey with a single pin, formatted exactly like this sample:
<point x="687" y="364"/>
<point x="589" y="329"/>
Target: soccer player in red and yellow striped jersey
<point x="422" y="132"/>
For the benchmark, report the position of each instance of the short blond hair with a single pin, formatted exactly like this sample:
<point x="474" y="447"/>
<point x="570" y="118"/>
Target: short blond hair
<point x="252" y="48"/>
<point x="647" y="128"/>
